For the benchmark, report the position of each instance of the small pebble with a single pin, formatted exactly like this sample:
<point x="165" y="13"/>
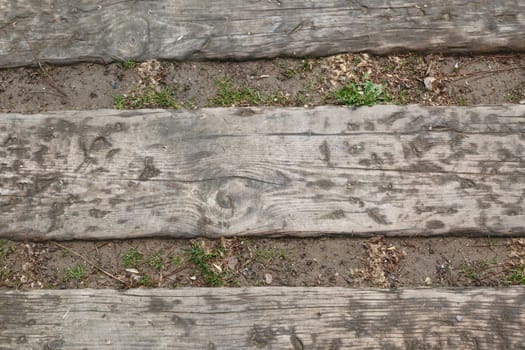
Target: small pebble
<point x="268" y="278"/>
<point x="429" y="83"/>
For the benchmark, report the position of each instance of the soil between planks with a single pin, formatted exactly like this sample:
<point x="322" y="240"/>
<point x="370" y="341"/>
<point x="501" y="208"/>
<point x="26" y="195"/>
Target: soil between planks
<point x="460" y="80"/>
<point x="330" y="261"/>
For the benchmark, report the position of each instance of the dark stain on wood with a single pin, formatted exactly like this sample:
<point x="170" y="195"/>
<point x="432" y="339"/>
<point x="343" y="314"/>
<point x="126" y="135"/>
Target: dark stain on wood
<point x="297" y="343"/>
<point x="325" y="152"/>
<point x="149" y="170"/>
<point x="261" y="337"/>
<point x="99" y="214"/>
<point x="323" y="184"/>
<point x="435" y="224"/>
<point x="99" y="143"/>
<point x="112" y="152"/>
<point x="376" y="215"/>
<point x="38" y="156"/>
<point x="185" y="324"/>
<point x="357" y="201"/>
<point x="335" y="215"/>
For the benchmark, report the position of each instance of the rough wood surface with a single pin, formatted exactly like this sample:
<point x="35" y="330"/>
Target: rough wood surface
<point x="263" y="318"/>
<point x="300" y="172"/>
<point x="66" y="31"/>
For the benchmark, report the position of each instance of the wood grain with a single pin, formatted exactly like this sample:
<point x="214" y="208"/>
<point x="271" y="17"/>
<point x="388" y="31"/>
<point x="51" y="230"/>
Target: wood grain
<point x="273" y="172"/>
<point x="68" y="31"/>
<point x="263" y="318"/>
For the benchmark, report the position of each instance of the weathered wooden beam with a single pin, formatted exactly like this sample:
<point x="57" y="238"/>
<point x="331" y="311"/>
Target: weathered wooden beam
<point x="263" y="318"/>
<point x="67" y="31"/>
<point x="299" y="172"/>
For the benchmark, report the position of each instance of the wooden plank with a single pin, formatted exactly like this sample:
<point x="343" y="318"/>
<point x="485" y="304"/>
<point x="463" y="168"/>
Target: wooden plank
<point x="67" y="31"/>
<point x="263" y="318"/>
<point x="297" y="172"/>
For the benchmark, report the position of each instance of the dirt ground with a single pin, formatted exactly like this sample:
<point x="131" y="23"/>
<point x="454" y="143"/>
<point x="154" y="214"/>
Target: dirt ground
<point x="331" y="261"/>
<point x="282" y="82"/>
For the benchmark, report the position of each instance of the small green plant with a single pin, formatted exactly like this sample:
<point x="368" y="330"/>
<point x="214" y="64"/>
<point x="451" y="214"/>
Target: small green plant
<point x="387" y="68"/>
<point x="517" y="276"/>
<point x="201" y="260"/>
<point x="155" y="262"/>
<point x="119" y="102"/>
<point x="148" y="99"/>
<point x="129" y="64"/>
<point x="469" y="271"/>
<point x="411" y="59"/>
<point x="402" y="97"/>
<point x="361" y="94"/>
<point x="75" y="273"/>
<point x="132" y="258"/>
<point x="4" y="250"/>
<point x="307" y="65"/>
<point x="266" y="254"/>
<point x="5" y="272"/>
<point x="145" y="280"/>
<point x="461" y="101"/>
<point x="289" y="73"/>
<point x="176" y="260"/>
<point x="228" y="95"/>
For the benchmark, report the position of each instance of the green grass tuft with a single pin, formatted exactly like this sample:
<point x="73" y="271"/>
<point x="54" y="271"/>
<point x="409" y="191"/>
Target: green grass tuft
<point x="75" y="273"/>
<point x="129" y="64"/>
<point x="361" y="94"/>
<point x="132" y="258"/>
<point x="149" y="99"/>
<point x="228" y="95"/>
<point x="176" y="260"/>
<point x="155" y="262"/>
<point x="201" y="260"/>
<point x="517" y="276"/>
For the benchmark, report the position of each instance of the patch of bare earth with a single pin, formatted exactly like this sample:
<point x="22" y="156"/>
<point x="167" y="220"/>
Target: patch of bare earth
<point x="331" y="261"/>
<point x="457" y="80"/>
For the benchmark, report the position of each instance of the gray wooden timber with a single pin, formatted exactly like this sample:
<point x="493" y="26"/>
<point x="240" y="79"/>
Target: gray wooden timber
<point x="252" y="171"/>
<point x="68" y="31"/>
<point x="263" y="318"/>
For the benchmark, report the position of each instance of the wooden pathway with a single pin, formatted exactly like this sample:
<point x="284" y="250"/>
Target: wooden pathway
<point x="263" y="318"/>
<point x="68" y="31"/>
<point x="269" y="172"/>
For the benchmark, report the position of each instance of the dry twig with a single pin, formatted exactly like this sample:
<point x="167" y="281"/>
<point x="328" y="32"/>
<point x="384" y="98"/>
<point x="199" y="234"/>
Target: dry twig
<point x="91" y="263"/>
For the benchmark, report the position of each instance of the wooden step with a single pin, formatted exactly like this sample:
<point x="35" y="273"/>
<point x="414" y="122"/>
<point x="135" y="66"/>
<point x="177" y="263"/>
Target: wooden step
<point x="37" y="31"/>
<point x="271" y="172"/>
<point x="263" y="318"/>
